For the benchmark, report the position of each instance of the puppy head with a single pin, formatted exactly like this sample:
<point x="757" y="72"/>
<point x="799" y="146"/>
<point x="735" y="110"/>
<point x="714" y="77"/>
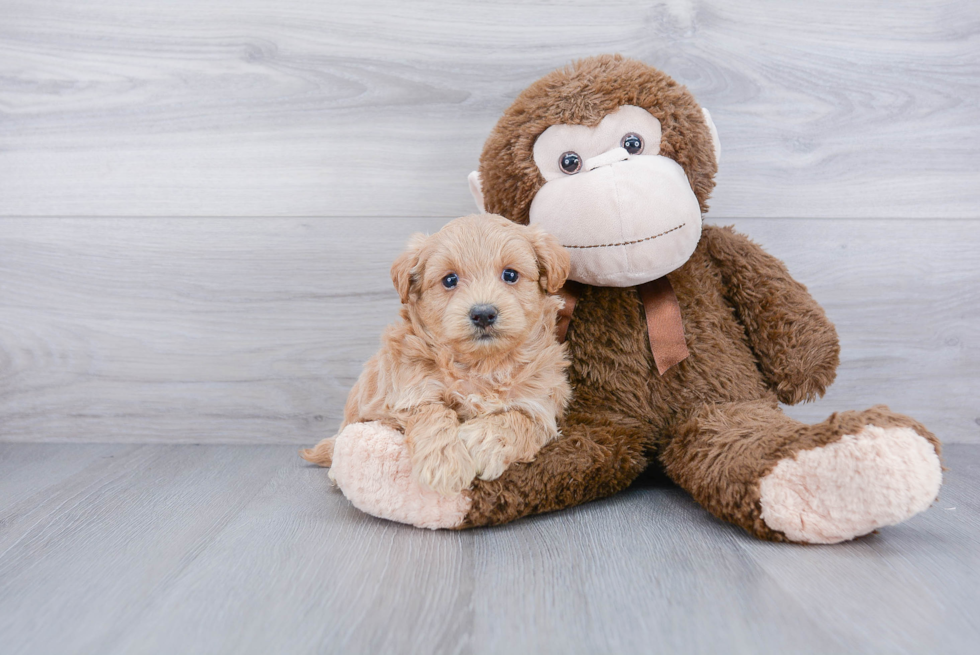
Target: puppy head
<point x="480" y="284"/>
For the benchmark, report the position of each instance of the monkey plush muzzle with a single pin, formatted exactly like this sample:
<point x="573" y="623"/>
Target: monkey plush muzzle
<point x="623" y="221"/>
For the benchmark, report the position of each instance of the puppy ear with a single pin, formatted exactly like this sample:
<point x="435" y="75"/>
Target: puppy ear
<point x="553" y="260"/>
<point x="404" y="270"/>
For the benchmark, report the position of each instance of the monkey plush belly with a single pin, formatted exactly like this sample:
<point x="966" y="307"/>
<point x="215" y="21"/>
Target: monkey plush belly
<point x="609" y="353"/>
<point x="613" y="369"/>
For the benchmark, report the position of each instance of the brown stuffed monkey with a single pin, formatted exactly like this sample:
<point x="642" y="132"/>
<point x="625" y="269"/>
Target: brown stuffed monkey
<point x="683" y="338"/>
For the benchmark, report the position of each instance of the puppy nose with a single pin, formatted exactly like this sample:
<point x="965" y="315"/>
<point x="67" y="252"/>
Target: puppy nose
<point x="483" y="315"/>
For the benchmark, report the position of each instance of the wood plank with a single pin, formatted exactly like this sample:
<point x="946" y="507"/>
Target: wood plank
<point x="380" y="108"/>
<point x="570" y="582"/>
<point x="230" y="549"/>
<point x="189" y="330"/>
<point x="253" y="330"/>
<point x="646" y="567"/>
<point x="81" y="559"/>
<point x="26" y="470"/>
<point x="302" y="571"/>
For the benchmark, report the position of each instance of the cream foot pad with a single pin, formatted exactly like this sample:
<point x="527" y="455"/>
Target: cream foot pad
<point x="371" y="466"/>
<point x="878" y="477"/>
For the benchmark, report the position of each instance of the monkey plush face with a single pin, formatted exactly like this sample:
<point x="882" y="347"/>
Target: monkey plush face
<point x="625" y="212"/>
<point x="613" y="158"/>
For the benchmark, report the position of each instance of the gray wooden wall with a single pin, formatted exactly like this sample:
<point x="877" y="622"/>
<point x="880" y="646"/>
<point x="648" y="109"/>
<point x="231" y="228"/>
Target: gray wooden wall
<point x="199" y="200"/>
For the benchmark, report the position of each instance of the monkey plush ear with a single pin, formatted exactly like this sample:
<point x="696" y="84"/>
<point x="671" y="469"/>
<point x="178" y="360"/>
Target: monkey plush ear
<point x="553" y="260"/>
<point x="476" y="188"/>
<point x="405" y="269"/>
<point x="714" y="135"/>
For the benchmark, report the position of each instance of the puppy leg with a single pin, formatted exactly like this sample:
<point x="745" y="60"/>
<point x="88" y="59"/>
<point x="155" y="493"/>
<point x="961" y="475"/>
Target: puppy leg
<point x="497" y="441"/>
<point x="440" y="461"/>
<point x="321" y="454"/>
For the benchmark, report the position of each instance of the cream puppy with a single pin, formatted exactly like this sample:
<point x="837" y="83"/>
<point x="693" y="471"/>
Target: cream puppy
<point x="472" y="372"/>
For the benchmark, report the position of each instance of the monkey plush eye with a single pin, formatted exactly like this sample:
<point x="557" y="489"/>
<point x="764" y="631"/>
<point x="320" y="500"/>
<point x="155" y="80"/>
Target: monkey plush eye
<point x="633" y="143"/>
<point x="509" y="276"/>
<point x="450" y="281"/>
<point x="570" y="163"/>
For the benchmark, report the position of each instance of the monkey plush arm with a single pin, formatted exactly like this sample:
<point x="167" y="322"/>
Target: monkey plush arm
<point x="794" y="341"/>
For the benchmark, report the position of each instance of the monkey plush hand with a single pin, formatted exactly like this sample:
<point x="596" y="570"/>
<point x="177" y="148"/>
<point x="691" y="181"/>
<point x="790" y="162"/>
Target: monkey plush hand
<point x="683" y="338"/>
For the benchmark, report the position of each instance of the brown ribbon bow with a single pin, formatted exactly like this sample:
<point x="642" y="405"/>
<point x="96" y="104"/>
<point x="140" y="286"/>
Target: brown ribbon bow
<point x="663" y="313"/>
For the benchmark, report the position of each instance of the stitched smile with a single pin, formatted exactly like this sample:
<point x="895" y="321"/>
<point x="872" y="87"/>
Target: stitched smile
<point x="629" y="243"/>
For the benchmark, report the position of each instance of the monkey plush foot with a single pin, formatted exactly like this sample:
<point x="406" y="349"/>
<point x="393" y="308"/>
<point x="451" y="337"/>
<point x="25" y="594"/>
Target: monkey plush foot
<point x="373" y="469"/>
<point x="864" y="481"/>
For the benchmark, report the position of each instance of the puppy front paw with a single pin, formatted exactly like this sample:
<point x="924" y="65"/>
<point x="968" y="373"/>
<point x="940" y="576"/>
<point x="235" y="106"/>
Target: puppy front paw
<point x="483" y="441"/>
<point x="446" y="469"/>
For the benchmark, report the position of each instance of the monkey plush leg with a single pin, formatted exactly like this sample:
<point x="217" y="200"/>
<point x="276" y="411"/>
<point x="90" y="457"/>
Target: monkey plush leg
<point x="780" y="479"/>
<point x="597" y="456"/>
<point x="373" y="467"/>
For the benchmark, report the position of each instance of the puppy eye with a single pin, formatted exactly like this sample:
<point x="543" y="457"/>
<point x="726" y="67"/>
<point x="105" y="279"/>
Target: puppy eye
<point x="570" y="163"/>
<point x="633" y="143"/>
<point x="509" y="276"/>
<point x="450" y="281"/>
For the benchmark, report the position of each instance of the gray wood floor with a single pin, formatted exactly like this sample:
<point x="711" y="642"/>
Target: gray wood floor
<point x="125" y="548"/>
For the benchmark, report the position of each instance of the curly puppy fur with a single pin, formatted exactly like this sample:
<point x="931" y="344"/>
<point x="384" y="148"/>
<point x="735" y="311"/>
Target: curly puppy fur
<point x="755" y="335"/>
<point x="471" y="399"/>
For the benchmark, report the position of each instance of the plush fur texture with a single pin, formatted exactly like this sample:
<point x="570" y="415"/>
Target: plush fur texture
<point x="471" y="399"/>
<point x="755" y="335"/>
<point x="366" y="449"/>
